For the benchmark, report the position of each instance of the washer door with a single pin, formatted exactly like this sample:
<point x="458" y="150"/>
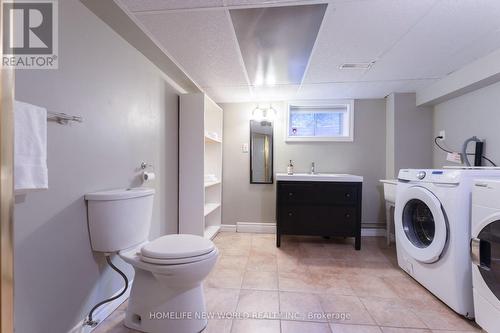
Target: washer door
<point x="486" y="255"/>
<point x="421" y="225"/>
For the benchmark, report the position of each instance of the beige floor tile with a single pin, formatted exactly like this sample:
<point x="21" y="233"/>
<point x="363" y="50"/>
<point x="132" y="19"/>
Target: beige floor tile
<point x="370" y="285"/>
<point x="448" y="331"/>
<point x="407" y="288"/>
<point x="255" y="326"/>
<point x="221" y="300"/>
<point x="300" y="306"/>
<point x="336" y="284"/>
<point x="445" y="320"/>
<point x="258" y="304"/>
<point x="404" y="330"/>
<point x="231" y="262"/>
<point x="218" y="326"/>
<point x="345" y="309"/>
<point x="326" y="266"/>
<point x="370" y="268"/>
<point x="291" y="262"/>
<point x="296" y="281"/>
<point x="339" y="328"/>
<point x="304" y="327"/>
<point x="259" y="262"/>
<point x="260" y="280"/>
<point x="392" y="312"/>
<point x="225" y="278"/>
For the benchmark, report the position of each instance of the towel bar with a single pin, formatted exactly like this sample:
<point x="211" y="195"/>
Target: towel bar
<point x="63" y="118"/>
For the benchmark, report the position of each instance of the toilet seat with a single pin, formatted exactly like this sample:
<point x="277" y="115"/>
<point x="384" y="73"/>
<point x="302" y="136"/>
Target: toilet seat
<point x="177" y="249"/>
<point x="178" y="261"/>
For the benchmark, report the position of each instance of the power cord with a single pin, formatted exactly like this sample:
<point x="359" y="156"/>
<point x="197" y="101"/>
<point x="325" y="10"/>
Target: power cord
<point x="450" y="152"/>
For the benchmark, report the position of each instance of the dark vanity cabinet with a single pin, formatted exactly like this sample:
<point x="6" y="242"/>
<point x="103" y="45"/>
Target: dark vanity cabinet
<point x="319" y="209"/>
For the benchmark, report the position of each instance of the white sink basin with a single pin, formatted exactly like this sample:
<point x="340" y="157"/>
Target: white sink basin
<point x="319" y="177"/>
<point x="389" y="189"/>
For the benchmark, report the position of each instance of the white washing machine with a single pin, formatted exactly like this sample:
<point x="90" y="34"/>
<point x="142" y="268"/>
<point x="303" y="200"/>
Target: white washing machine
<point x="485" y="253"/>
<point x="432" y="222"/>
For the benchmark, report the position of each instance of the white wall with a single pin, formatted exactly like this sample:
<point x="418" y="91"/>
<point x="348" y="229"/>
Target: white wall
<point x="130" y="115"/>
<point x="245" y="202"/>
<point x="476" y="113"/>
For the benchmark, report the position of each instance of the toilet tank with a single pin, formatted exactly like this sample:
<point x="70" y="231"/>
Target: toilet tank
<point x="119" y="219"/>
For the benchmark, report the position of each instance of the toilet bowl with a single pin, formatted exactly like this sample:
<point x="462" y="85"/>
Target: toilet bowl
<point x="167" y="293"/>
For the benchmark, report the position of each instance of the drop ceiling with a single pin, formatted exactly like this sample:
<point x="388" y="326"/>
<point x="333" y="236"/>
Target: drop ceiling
<point x="413" y="44"/>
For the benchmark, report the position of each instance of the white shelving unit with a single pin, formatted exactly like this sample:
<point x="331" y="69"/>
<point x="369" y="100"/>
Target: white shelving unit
<point x="200" y="154"/>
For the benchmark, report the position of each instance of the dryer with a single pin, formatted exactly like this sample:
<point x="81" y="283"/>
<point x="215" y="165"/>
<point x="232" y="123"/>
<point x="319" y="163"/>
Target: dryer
<point x="432" y="223"/>
<point x="485" y="253"/>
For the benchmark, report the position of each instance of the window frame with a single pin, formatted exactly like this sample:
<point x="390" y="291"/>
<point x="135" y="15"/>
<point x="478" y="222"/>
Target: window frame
<point x="349" y="104"/>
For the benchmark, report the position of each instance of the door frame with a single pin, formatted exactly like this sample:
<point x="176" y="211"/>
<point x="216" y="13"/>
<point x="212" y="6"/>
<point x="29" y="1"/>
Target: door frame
<point x="6" y="193"/>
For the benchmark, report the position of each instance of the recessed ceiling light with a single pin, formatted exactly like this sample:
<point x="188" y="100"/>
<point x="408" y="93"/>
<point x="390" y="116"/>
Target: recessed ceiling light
<point x="357" y="65"/>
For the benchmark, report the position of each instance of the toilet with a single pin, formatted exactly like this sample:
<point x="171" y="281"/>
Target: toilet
<point x="167" y="293"/>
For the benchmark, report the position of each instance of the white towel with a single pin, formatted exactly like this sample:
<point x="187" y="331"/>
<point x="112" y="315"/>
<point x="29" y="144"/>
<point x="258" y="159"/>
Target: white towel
<point x="30" y="147"/>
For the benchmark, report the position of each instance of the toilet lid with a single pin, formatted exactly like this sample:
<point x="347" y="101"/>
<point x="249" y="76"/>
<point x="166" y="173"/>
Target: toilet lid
<point x="177" y="247"/>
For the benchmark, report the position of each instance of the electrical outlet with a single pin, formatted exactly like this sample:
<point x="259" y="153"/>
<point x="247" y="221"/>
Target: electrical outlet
<point x="442" y="134"/>
<point x="244" y="148"/>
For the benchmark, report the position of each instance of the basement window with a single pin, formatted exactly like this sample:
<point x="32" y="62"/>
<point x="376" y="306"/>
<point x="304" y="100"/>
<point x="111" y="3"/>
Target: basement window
<point x="320" y="121"/>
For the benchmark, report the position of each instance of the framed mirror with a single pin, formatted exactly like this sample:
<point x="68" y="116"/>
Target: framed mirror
<point x="261" y="152"/>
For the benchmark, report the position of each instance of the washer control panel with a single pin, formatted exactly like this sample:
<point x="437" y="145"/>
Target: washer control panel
<point x="421" y="175"/>
<point x="430" y="175"/>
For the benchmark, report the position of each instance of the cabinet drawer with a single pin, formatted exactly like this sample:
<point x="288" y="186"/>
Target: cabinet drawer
<point x="321" y="220"/>
<point x="295" y="193"/>
<point x="336" y="194"/>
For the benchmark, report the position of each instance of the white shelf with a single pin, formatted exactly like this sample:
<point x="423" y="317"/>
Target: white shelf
<point x="200" y="154"/>
<point x="210" y="207"/>
<point x="212" y="183"/>
<point x="211" y="231"/>
<point x="209" y="139"/>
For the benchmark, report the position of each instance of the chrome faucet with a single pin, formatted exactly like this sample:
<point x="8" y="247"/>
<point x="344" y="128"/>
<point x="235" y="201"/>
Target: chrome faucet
<point x="313" y="171"/>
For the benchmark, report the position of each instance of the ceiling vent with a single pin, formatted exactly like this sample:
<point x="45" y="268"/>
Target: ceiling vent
<point x="357" y="65"/>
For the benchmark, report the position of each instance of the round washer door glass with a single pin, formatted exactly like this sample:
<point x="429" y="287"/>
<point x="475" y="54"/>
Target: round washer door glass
<point x="421" y="227"/>
<point x="418" y="223"/>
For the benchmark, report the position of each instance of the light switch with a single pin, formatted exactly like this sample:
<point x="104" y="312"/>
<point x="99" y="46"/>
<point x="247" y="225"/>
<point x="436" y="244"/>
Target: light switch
<point x="244" y="148"/>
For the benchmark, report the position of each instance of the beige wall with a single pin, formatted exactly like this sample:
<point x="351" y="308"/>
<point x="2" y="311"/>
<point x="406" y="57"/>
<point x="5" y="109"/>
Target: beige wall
<point x="130" y="115"/>
<point x="409" y="134"/>
<point x="244" y="202"/>
<point x="475" y="113"/>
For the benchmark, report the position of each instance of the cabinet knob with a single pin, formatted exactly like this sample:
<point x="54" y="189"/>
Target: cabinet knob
<point x="347" y="216"/>
<point x="290" y="213"/>
<point x="290" y="194"/>
<point x="348" y="195"/>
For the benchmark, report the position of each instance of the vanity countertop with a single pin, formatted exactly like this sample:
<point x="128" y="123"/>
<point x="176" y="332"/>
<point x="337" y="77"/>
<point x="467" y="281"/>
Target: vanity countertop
<point x="319" y="177"/>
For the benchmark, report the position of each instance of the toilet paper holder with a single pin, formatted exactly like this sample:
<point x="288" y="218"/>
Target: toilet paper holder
<point x="145" y="165"/>
<point x="147" y="175"/>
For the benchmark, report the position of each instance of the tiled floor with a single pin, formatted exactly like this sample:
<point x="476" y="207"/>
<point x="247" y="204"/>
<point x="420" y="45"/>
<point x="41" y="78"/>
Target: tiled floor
<point x="320" y="285"/>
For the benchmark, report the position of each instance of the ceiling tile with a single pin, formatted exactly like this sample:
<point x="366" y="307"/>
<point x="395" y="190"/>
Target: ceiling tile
<point x="274" y="93"/>
<point x="225" y="94"/>
<point x="151" y="5"/>
<point x="433" y="47"/>
<point x="202" y="42"/>
<point x="359" y="89"/>
<point x="360" y="32"/>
